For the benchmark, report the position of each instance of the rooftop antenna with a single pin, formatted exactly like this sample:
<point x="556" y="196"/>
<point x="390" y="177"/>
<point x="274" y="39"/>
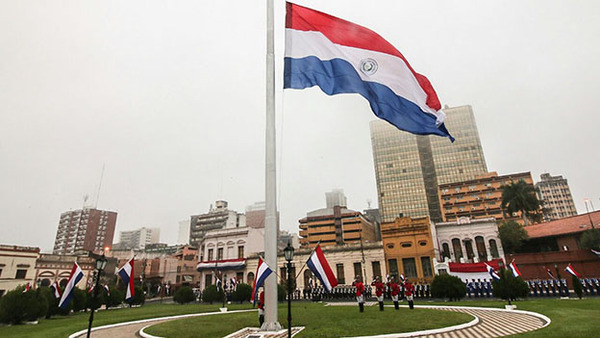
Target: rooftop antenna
<point x="368" y="203"/>
<point x="99" y="186"/>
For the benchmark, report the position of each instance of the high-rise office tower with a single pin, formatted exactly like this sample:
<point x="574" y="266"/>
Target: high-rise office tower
<point x="84" y="230"/>
<point x="555" y="193"/>
<point x="409" y="167"/>
<point x="336" y="197"/>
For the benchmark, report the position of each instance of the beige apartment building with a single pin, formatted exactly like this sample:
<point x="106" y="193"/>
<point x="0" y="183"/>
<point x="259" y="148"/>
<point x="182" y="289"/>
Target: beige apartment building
<point x="556" y="196"/>
<point x="17" y="266"/>
<point x="479" y="198"/>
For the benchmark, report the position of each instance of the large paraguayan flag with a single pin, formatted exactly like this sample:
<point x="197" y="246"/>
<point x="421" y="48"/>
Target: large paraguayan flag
<point x="319" y="266"/>
<point x="492" y="273"/>
<point x="262" y="272"/>
<point x="74" y="278"/>
<point x="126" y="274"/>
<point x="514" y="269"/>
<point x="342" y="57"/>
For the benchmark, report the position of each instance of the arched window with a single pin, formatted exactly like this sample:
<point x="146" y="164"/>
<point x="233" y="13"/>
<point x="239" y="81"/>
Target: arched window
<point x="251" y="278"/>
<point x="63" y="282"/>
<point x="481" y="251"/>
<point x="45" y="282"/>
<point x="456" y="247"/>
<point x="494" y="248"/>
<point x="307" y="275"/>
<point x="445" y="250"/>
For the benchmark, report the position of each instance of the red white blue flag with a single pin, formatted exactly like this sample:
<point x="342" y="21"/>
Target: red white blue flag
<point x="514" y="269"/>
<point x="27" y="287"/>
<point x="74" y="278"/>
<point x="597" y="253"/>
<point x="55" y="289"/>
<point x="340" y="57"/>
<point x="319" y="266"/>
<point x="126" y="274"/>
<point x="492" y="273"/>
<point x="572" y="271"/>
<point x="262" y="272"/>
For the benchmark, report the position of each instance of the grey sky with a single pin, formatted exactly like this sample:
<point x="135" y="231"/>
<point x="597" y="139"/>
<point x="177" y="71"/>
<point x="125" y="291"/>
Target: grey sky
<point x="169" y="96"/>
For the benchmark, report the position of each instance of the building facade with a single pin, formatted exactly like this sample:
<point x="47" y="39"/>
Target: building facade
<point x="336" y="197"/>
<point x="139" y="238"/>
<point x="556" y="196"/>
<point x="479" y="198"/>
<point x="409" y="168"/>
<point x="335" y="226"/>
<point x="219" y="217"/>
<point x="468" y="240"/>
<point x="17" y="266"/>
<point x="409" y="249"/>
<point x="85" y="230"/>
<point x="52" y="268"/>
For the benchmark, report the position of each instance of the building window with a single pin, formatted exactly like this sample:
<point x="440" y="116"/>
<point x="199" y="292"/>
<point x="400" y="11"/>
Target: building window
<point x="422" y="243"/>
<point x="406" y="245"/>
<point x="21" y="274"/>
<point x="376" y="269"/>
<point x="239" y="277"/>
<point x="393" y="266"/>
<point x="457" y="248"/>
<point x="410" y="267"/>
<point x="282" y="275"/>
<point x="241" y="251"/>
<point x="251" y="279"/>
<point x="0" y="272"/>
<point x="445" y="250"/>
<point x="494" y="248"/>
<point x="426" y="265"/>
<point x="481" y="251"/>
<point x="358" y="270"/>
<point x="219" y="254"/>
<point x="207" y="280"/>
<point x="210" y="254"/>
<point x="340" y="273"/>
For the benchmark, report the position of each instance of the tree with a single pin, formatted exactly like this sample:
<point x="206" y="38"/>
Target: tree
<point x="447" y="286"/>
<point x="590" y="239"/>
<point x="512" y="235"/>
<point x="509" y="287"/>
<point x="138" y="296"/>
<point x="242" y="293"/>
<point x="115" y="298"/>
<point x="521" y="197"/>
<point x="184" y="295"/>
<point x="17" y="306"/>
<point x="210" y="294"/>
<point x="79" y="299"/>
<point x="52" y="301"/>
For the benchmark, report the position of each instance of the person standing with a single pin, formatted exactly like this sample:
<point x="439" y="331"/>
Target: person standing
<point x="409" y="291"/>
<point x="394" y="291"/>
<point x="379" y="291"/>
<point x="261" y="307"/>
<point x="360" y="293"/>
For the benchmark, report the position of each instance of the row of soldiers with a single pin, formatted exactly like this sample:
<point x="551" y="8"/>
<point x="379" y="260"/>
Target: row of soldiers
<point x="479" y="288"/>
<point x="555" y="287"/>
<point x="341" y="292"/>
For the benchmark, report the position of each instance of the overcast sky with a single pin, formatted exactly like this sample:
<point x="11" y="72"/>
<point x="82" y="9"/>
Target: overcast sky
<point x="169" y="96"/>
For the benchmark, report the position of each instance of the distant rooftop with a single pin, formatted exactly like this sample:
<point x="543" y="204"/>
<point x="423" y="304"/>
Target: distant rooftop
<point x="564" y="226"/>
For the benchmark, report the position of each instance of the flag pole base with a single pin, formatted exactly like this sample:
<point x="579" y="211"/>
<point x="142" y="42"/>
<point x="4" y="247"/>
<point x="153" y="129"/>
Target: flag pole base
<point x="273" y="326"/>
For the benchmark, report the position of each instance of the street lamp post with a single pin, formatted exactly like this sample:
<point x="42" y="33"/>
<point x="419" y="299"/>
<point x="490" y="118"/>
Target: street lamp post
<point x="100" y="265"/>
<point x="288" y="252"/>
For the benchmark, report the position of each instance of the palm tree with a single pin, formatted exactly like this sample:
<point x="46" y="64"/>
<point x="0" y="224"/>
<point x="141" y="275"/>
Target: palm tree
<point x="520" y="197"/>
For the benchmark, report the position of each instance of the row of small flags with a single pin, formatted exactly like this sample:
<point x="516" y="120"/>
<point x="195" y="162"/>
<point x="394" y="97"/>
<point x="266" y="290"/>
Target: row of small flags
<point x="516" y="273"/>
<point x="126" y="273"/>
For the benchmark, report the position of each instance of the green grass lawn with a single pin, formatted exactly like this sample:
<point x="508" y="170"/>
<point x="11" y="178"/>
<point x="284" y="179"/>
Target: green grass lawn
<point x="63" y="326"/>
<point x="320" y="321"/>
<point x="570" y="318"/>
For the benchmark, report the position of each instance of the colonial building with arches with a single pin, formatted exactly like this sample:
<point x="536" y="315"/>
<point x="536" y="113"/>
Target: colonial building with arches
<point x="468" y="240"/>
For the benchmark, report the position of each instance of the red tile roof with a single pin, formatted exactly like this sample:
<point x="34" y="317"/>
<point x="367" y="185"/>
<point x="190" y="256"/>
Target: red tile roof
<point x="564" y="226"/>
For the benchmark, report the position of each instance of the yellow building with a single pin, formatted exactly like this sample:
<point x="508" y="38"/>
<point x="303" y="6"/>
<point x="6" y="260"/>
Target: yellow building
<point x="408" y="247"/>
<point x="335" y="226"/>
<point x="479" y="198"/>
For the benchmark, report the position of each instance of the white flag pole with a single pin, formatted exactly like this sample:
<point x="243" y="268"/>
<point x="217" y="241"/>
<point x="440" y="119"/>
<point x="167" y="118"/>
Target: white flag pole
<point x="271" y="323"/>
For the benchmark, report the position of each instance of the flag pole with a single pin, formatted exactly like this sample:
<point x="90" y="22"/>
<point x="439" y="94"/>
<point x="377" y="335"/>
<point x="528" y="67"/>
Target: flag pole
<point x="271" y="323"/>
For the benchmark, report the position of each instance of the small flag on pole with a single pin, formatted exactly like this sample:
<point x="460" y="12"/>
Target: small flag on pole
<point x="492" y="273"/>
<point x="27" y="287"/>
<point x="126" y="274"/>
<point x="596" y="252"/>
<point x="319" y="266"/>
<point x="514" y="269"/>
<point x="262" y="272"/>
<point x="550" y="273"/>
<point x="55" y="290"/>
<point x="572" y="271"/>
<point x="74" y="278"/>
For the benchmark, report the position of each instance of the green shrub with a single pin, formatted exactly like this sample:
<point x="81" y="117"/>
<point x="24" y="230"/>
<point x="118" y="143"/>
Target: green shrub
<point x="16" y="306"/>
<point x="447" y="286"/>
<point x="210" y="294"/>
<point x="51" y="300"/>
<point x="281" y="292"/>
<point x="116" y="297"/>
<point x="242" y="293"/>
<point x="79" y="299"/>
<point x="509" y="287"/>
<point x="184" y="295"/>
<point x="138" y="297"/>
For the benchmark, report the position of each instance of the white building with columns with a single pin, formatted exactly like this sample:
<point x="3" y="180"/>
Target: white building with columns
<point x="468" y="240"/>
